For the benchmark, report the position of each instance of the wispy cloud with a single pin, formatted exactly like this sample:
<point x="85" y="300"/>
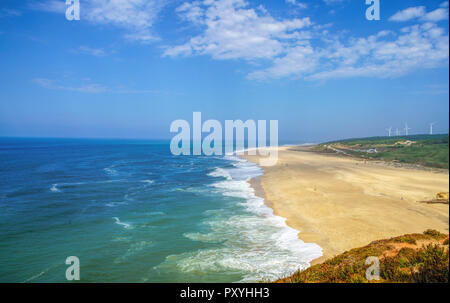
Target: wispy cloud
<point x="51" y="6"/>
<point x="331" y="2"/>
<point x="86" y="86"/>
<point x="431" y="89"/>
<point x="436" y="15"/>
<point x="388" y="55"/>
<point x="408" y="14"/>
<point x="135" y="17"/>
<point x="232" y="30"/>
<point x="420" y="12"/>
<point x="7" y="12"/>
<point x="281" y="47"/>
<point x="91" y="88"/>
<point x="86" y="50"/>
<point x="298" y="4"/>
<point x="297" y="48"/>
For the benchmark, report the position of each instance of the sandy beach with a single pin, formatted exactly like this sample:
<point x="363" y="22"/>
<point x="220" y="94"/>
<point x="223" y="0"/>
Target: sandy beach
<point x="342" y="203"/>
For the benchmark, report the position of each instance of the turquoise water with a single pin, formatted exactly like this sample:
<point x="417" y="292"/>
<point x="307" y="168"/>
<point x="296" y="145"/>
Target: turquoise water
<point x="132" y="212"/>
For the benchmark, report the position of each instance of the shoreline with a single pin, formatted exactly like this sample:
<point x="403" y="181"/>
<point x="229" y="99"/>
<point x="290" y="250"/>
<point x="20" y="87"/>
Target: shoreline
<point x="300" y="189"/>
<point x="255" y="183"/>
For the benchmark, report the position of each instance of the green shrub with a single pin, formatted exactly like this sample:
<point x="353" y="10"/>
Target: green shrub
<point x="428" y="264"/>
<point x="433" y="265"/>
<point x="433" y="233"/>
<point x="406" y="240"/>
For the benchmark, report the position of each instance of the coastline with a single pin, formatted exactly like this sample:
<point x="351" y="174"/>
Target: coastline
<point x="370" y="201"/>
<point x="251" y="229"/>
<point x="255" y="183"/>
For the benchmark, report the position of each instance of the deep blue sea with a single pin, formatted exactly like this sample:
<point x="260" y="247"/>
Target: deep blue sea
<point x="133" y="212"/>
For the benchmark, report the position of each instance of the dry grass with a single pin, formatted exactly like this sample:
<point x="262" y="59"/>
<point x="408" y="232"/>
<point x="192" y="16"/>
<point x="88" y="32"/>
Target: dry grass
<point x="415" y="258"/>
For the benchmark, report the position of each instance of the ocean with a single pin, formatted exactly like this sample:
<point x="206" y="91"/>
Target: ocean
<point x="133" y="212"/>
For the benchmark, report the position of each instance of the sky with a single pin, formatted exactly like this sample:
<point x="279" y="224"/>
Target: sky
<point x="128" y="68"/>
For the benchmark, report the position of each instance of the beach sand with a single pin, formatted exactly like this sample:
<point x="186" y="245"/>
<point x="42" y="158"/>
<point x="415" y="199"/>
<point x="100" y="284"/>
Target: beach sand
<point x="342" y="203"/>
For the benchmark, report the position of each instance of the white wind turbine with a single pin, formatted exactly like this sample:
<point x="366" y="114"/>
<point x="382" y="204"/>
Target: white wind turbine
<point x="389" y="130"/>
<point x="431" y="127"/>
<point x="397" y="132"/>
<point x="406" y="129"/>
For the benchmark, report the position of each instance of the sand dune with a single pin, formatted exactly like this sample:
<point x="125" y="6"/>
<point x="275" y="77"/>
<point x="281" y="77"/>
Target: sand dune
<point x="341" y="203"/>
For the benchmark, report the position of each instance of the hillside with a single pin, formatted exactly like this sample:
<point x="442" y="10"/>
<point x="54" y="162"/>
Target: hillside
<point x="414" y="258"/>
<point x="424" y="150"/>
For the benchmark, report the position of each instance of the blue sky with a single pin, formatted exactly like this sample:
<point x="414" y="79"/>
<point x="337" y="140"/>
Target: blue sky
<point x="128" y="68"/>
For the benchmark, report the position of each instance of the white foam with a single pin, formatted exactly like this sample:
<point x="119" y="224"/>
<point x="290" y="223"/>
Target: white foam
<point x="238" y="189"/>
<point x="55" y="188"/>
<point x="207" y="238"/>
<point x="115" y="204"/>
<point x="148" y="182"/>
<point x="127" y="197"/>
<point x="220" y="172"/>
<point x="41" y="273"/>
<point x="261" y="247"/>
<point x="255" y="241"/>
<point x="125" y="225"/>
<point x="110" y="170"/>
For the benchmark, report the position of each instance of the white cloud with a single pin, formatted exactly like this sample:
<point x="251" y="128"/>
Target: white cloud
<point x="384" y="55"/>
<point x="419" y="12"/>
<point x="436" y="15"/>
<point x="418" y="46"/>
<point x="331" y="2"/>
<point x="85" y="86"/>
<point x="408" y="14"/>
<point x="86" y="50"/>
<point x="7" y="12"/>
<point x="51" y="6"/>
<point x="91" y="88"/>
<point x="297" y="4"/>
<point x="298" y="61"/>
<point x="190" y="11"/>
<point x="292" y="47"/>
<point x="232" y="30"/>
<point x="136" y="17"/>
